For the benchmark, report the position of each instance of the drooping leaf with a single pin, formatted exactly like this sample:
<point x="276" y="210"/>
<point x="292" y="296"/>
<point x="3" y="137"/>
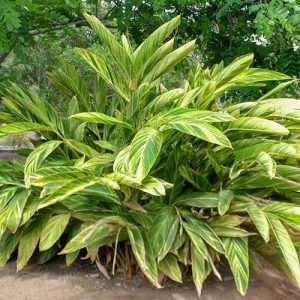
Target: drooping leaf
<point x="36" y="157"/>
<point x="266" y="161"/>
<point x="91" y="234"/>
<point x="163" y="232"/>
<point x="206" y="233"/>
<point x="201" y="130"/>
<point x="29" y="240"/>
<point x="100" y="118"/>
<point x="196" y="240"/>
<point x="153" y="186"/>
<point x="5" y="195"/>
<point x="259" y="219"/>
<point x="143" y="253"/>
<point x="22" y="127"/>
<point x="260" y="125"/>
<point x="53" y="230"/>
<point x="286" y="246"/>
<point x="8" y="244"/>
<point x="14" y="210"/>
<point x="200" y="269"/>
<point x="236" y="250"/>
<point x="82" y="148"/>
<point x="225" y="198"/>
<point x="198" y="199"/>
<point x="169" y="266"/>
<point x="73" y="187"/>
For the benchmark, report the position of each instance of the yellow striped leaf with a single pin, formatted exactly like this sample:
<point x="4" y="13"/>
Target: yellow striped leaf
<point x="236" y="250"/>
<point x="144" y="151"/>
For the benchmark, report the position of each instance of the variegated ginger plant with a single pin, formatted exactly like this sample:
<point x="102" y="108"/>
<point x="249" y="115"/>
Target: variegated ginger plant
<point x="164" y="180"/>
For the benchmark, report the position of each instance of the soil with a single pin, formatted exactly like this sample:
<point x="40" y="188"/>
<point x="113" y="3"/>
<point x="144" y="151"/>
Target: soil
<point x="82" y="281"/>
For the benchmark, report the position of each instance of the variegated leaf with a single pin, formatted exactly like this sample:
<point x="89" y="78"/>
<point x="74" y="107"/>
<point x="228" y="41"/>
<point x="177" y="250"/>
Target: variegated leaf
<point x="144" y="151"/>
<point x="260" y="220"/>
<point x="36" y="157"/>
<point x="236" y="250"/>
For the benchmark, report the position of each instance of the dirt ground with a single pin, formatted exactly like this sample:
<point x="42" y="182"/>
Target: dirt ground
<point x="82" y="281"/>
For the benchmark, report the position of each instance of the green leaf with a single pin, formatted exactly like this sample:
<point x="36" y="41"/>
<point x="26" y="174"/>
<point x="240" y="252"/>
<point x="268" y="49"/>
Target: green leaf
<point x="225" y="198"/>
<point x="73" y="187"/>
<point x="45" y="256"/>
<point x="198" y="199"/>
<point x="8" y="244"/>
<point x="69" y="80"/>
<point x="260" y="125"/>
<point x="121" y="163"/>
<point x="235" y="68"/>
<point x="193" y="233"/>
<point x="144" y="52"/>
<point x="266" y="161"/>
<point x="198" y="181"/>
<point x="163" y="232"/>
<point x="252" y="75"/>
<point x="278" y="88"/>
<point x="107" y="145"/>
<point x="29" y="240"/>
<point x="94" y="233"/>
<point x="100" y="118"/>
<point x="163" y="100"/>
<point x="115" y="48"/>
<point x="236" y="250"/>
<point x="207" y="116"/>
<point x="230" y="231"/>
<point x="168" y="62"/>
<point x="71" y="257"/>
<point x="260" y="220"/>
<point x="14" y="210"/>
<point x="200" y="269"/>
<point x="254" y="148"/>
<point x="152" y="186"/>
<point x="5" y="195"/>
<point x="206" y="233"/>
<point x="199" y="129"/>
<point x="22" y="127"/>
<point x="143" y="253"/>
<point x="53" y="230"/>
<point x="286" y="246"/>
<point x="82" y="148"/>
<point x="169" y="266"/>
<point x="108" y="73"/>
<point x="144" y="151"/>
<point x="36" y="157"/>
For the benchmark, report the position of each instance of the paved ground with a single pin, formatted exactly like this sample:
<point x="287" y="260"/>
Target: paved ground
<point x="82" y="281"/>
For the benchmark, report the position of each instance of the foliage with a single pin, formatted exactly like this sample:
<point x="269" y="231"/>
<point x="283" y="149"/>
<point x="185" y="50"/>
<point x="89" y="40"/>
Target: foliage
<point x="156" y="179"/>
<point x="23" y="22"/>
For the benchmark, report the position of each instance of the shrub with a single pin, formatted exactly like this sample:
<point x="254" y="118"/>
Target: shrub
<point x="162" y="180"/>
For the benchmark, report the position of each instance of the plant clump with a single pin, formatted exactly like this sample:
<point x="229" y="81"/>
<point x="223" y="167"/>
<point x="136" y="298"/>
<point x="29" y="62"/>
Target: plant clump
<point x="161" y="180"/>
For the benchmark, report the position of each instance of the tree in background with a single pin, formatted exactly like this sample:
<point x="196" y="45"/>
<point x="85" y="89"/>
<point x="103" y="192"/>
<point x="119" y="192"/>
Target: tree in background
<point x="22" y="21"/>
